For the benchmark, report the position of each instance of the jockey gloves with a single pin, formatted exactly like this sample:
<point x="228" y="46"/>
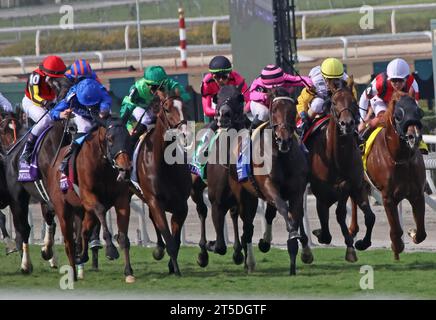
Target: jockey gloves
<point x="272" y="76"/>
<point x="332" y="68"/>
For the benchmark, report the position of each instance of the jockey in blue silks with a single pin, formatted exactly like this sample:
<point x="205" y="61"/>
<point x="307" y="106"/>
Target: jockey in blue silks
<point x="85" y="99"/>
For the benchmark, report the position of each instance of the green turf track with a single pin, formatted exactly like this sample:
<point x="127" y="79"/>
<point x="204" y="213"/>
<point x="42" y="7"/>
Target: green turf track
<point x="330" y="276"/>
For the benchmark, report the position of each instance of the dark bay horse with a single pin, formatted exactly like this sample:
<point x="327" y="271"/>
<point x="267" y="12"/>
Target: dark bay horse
<point x="103" y="168"/>
<point x="396" y="167"/>
<point x="336" y="171"/>
<point x="280" y="178"/>
<point x="10" y="130"/>
<point x="165" y="186"/>
<point x="229" y="116"/>
<point x="21" y="192"/>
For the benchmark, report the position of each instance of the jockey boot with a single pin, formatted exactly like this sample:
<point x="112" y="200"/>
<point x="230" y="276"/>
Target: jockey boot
<point x="137" y="132"/>
<point x="64" y="164"/>
<point x="363" y="136"/>
<point x="28" y="149"/>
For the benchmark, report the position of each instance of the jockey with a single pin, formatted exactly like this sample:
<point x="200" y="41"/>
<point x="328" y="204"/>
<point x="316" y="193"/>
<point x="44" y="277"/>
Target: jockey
<point x="142" y="93"/>
<point x="315" y="100"/>
<point x="5" y="105"/>
<point x="45" y="85"/>
<point x="83" y="100"/>
<point x="257" y="108"/>
<point x="397" y="78"/>
<point x="79" y="70"/>
<point x="220" y="74"/>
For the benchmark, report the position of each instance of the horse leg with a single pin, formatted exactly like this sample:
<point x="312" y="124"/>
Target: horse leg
<point x="11" y="245"/>
<point x="362" y="201"/>
<point x="161" y="224"/>
<point x="95" y="245"/>
<point x="238" y="257"/>
<point x="247" y="211"/>
<point x="306" y="254"/>
<point x="354" y="225"/>
<point x="21" y="223"/>
<point x="65" y="217"/>
<point x="418" y="206"/>
<point x="177" y="220"/>
<point x="122" y="208"/>
<point x="85" y="228"/>
<point x="91" y="203"/>
<point x="295" y="220"/>
<point x="323" y="234"/>
<point x="50" y="229"/>
<point x="219" y="211"/>
<point x="159" y="251"/>
<point x="197" y="197"/>
<point x="341" y="215"/>
<point x="396" y="232"/>
<point x="265" y="242"/>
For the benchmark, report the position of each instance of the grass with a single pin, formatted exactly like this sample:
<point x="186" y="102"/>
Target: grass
<point x="328" y="277"/>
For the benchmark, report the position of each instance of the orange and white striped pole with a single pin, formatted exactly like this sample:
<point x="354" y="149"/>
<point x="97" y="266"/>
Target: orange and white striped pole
<point x="182" y="36"/>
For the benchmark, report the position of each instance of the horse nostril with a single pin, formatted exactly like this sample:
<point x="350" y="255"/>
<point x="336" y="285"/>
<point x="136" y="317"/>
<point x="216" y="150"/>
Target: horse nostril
<point x="342" y="123"/>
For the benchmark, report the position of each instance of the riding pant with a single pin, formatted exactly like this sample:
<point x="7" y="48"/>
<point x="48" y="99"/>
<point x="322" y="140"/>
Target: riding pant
<point x="148" y="117"/>
<point x="83" y="124"/>
<point x="36" y="113"/>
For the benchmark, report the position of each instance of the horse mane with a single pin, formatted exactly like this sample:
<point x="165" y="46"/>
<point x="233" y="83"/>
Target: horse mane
<point x="389" y="114"/>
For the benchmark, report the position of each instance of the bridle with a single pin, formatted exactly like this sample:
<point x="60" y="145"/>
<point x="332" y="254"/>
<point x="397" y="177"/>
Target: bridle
<point x="284" y="125"/>
<point x="107" y="155"/>
<point x="336" y="115"/>
<point x="165" y="111"/>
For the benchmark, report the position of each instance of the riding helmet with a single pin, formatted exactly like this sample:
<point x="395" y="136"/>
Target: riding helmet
<point x="53" y="66"/>
<point x="220" y="64"/>
<point x="332" y="68"/>
<point x="88" y="92"/>
<point x="155" y="75"/>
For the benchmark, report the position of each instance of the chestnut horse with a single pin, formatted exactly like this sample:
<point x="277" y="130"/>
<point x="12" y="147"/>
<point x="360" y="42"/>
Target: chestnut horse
<point x="396" y="167"/>
<point x="103" y="168"/>
<point x="282" y="186"/>
<point x="336" y="171"/>
<point x="165" y="186"/>
<point x="229" y="116"/>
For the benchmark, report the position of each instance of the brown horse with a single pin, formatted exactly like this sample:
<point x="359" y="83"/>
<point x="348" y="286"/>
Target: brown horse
<point x="165" y="186"/>
<point x="282" y="186"/>
<point x="336" y="171"/>
<point x="103" y="168"/>
<point x="396" y="167"/>
<point x="229" y="116"/>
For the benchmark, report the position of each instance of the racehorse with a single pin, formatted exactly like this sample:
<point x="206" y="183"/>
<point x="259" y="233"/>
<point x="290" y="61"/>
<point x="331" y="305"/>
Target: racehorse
<point x="21" y="192"/>
<point x="229" y="110"/>
<point x="336" y="171"/>
<point x="103" y="168"/>
<point x="10" y="129"/>
<point x="281" y="180"/>
<point x="164" y="186"/>
<point x="395" y="166"/>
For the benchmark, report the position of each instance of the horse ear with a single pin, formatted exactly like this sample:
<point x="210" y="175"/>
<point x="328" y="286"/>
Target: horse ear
<point x="350" y="81"/>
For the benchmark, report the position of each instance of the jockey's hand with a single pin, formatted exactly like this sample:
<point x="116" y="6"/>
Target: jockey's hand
<point x="312" y="90"/>
<point x="103" y="114"/>
<point x="361" y="126"/>
<point x="67" y="113"/>
<point x="305" y="117"/>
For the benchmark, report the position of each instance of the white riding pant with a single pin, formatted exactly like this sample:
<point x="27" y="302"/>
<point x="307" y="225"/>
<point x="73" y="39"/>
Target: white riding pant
<point x="317" y="105"/>
<point x="148" y="117"/>
<point x="36" y="113"/>
<point x="378" y="105"/>
<point x="83" y="124"/>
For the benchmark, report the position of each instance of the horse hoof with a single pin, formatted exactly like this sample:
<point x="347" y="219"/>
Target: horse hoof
<point x="203" y="260"/>
<point x="251" y="269"/>
<point x="221" y="250"/>
<point x="264" y="246"/>
<point x="321" y="238"/>
<point x="130" y="279"/>
<point x="362" y="245"/>
<point x="112" y="253"/>
<point x="47" y="255"/>
<point x="10" y="250"/>
<point x="210" y="246"/>
<point x="398" y="250"/>
<point x="307" y="256"/>
<point x="350" y="255"/>
<point x="293" y="271"/>
<point x="158" y="253"/>
<point x="27" y="270"/>
<point x="238" y="258"/>
<point x="80" y="272"/>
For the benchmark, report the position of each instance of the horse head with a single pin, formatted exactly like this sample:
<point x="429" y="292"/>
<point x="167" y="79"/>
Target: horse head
<point x="229" y="106"/>
<point x="407" y="117"/>
<point x="282" y="118"/>
<point x="344" y="109"/>
<point x="9" y="128"/>
<point x="119" y="148"/>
